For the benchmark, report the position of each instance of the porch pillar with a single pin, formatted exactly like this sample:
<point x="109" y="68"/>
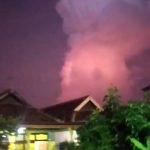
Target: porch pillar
<point x="71" y="134"/>
<point x="27" y="140"/>
<point x="51" y="141"/>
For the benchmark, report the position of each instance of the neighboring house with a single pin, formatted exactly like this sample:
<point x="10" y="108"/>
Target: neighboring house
<point x="46" y="128"/>
<point x="74" y="111"/>
<point x="33" y="126"/>
<point x="146" y="91"/>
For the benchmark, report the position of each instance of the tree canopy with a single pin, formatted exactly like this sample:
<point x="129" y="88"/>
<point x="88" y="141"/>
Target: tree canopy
<point x="7" y="127"/>
<point x="117" y="127"/>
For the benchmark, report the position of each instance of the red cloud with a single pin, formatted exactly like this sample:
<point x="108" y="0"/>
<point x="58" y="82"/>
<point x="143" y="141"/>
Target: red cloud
<point x="103" y="34"/>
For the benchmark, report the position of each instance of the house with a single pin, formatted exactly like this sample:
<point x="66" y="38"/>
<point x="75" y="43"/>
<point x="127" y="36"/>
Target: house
<point x="44" y="129"/>
<point x="74" y="111"/>
<point x="146" y="91"/>
<point x="33" y="126"/>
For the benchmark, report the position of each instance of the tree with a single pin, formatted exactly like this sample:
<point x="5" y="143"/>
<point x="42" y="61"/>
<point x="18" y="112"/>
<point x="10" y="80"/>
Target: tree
<point x="7" y="127"/>
<point x="111" y="101"/>
<point x="139" y="145"/>
<point x="95" y="134"/>
<point x="117" y="127"/>
<point x="99" y="132"/>
<point x="125" y="121"/>
<point x="138" y="120"/>
<point x="68" y="146"/>
<point x="114" y="113"/>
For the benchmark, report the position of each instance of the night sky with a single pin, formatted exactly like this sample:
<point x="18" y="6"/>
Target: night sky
<point x="34" y="44"/>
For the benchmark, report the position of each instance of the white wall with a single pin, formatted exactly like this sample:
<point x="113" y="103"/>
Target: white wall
<point x="61" y="136"/>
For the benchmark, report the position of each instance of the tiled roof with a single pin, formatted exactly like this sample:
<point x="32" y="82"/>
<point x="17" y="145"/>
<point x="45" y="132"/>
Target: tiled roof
<point x="147" y="88"/>
<point x="12" y="105"/>
<point x="70" y="104"/>
<point x="34" y="116"/>
<point x="15" y="98"/>
<point x="66" y="110"/>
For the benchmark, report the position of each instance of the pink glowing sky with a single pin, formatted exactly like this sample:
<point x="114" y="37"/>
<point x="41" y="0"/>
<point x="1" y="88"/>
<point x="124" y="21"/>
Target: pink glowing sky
<point x="52" y="51"/>
<point x="102" y="36"/>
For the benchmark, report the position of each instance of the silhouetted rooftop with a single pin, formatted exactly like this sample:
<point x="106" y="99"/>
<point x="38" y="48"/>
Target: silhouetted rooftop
<point x="147" y="88"/>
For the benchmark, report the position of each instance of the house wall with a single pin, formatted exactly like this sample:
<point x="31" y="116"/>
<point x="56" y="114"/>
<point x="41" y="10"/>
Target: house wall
<point x="67" y="135"/>
<point x="89" y="107"/>
<point x="41" y="139"/>
<point x="32" y="140"/>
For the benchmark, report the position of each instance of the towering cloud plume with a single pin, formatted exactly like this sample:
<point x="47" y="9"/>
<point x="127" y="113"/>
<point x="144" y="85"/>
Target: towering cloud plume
<point x="102" y="36"/>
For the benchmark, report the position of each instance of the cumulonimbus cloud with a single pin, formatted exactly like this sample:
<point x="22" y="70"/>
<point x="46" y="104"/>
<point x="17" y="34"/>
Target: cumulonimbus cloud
<point x="102" y="35"/>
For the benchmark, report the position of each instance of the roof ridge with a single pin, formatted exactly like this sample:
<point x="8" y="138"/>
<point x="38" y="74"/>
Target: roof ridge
<point x="65" y="102"/>
<point x="5" y="93"/>
<point x="146" y="88"/>
<point x="47" y="115"/>
<point x="8" y="91"/>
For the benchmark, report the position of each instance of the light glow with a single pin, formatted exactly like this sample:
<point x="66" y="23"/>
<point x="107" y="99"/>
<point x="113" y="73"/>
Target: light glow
<point x="103" y="35"/>
<point x="21" y="130"/>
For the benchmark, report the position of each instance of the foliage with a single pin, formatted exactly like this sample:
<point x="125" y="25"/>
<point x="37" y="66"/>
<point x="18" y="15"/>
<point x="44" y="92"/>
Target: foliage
<point x="95" y="134"/>
<point x="112" y="128"/>
<point x="111" y="100"/>
<point x="139" y="145"/>
<point x="136" y="116"/>
<point x="114" y="112"/>
<point x="67" y="146"/>
<point x="7" y="127"/>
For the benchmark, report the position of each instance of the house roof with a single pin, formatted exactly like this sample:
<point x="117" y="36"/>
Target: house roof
<point x="147" y="88"/>
<point x="66" y="110"/>
<point x="62" y="114"/>
<point x="37" y="117"/>
<point x="13" y="105"/>
<point x="15" y="98"/>
<point x="70" y="104"/>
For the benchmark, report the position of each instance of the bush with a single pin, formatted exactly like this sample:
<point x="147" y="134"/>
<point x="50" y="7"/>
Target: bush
<point x="67" y="146"/>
